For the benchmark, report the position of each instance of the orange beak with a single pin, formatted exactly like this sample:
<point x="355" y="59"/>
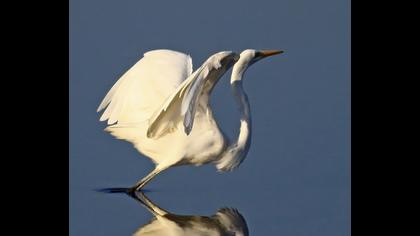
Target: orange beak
<point x="267" y="53"/>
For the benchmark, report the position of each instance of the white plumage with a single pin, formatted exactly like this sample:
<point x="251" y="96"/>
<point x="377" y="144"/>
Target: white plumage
<point x="144" y="87"/>
<point x="162" y="107"/>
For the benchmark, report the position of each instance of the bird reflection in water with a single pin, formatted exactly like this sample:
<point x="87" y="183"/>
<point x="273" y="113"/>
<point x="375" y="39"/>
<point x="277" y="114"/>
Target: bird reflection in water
<point x="226" y="222"/>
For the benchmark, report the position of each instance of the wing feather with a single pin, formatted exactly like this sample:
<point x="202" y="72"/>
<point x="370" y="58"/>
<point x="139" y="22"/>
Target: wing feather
<point x="182" y="105"/>
<point x="145" y="86"/>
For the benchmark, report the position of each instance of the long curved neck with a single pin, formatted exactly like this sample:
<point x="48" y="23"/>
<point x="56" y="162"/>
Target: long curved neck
<point x="237" y="150"/>
<point x="243" y="139"/>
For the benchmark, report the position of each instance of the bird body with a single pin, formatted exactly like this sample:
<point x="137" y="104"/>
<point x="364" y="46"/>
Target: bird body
<point x="162" y="107"/>
<point x="204" y="141"/>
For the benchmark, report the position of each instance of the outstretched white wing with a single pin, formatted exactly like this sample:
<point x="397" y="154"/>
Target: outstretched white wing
<point x="182" y="105"/>
<point x="145" y="86"/>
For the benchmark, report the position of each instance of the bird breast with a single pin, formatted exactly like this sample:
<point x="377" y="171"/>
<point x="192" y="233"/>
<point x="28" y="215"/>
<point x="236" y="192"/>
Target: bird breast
<point x="205" y="143"/>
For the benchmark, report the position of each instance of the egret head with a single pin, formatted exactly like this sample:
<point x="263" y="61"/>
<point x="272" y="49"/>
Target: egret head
<point x="249" y="57"/>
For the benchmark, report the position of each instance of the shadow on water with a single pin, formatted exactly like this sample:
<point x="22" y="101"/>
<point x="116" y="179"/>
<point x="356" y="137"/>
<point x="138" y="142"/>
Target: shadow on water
<point x="225" y="222"/>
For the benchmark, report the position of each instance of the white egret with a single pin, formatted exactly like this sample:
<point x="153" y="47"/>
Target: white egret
<point x="162" y="108"/>
<point x="226" y="222"/>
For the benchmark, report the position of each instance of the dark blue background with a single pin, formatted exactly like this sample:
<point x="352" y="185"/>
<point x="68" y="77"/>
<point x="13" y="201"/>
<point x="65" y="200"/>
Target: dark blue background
<point x="296" y="177"/>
